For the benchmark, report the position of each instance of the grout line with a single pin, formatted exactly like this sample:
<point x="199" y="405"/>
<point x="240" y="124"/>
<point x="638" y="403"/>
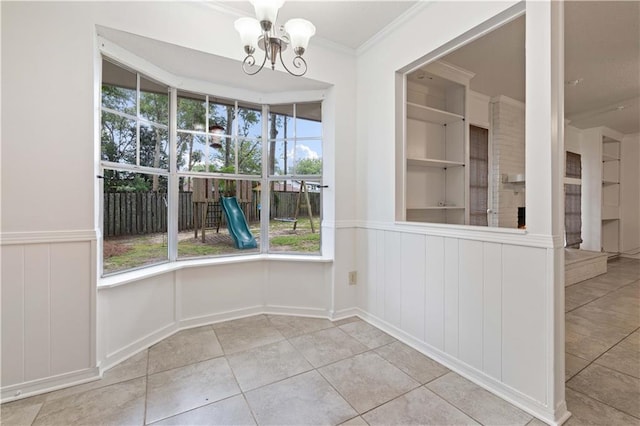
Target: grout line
<point x="604" y="403"/>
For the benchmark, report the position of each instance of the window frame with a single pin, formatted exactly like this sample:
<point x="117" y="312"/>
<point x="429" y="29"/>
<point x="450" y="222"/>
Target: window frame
<point x="174" y="175"/>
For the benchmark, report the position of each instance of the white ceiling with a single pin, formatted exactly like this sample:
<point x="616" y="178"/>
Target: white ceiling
<point x="346" y="23"/>
<point x="602" y="48"/>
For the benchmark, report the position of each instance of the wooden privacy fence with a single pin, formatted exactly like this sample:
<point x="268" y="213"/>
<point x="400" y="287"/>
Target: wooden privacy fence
<point x="134" y="213"/>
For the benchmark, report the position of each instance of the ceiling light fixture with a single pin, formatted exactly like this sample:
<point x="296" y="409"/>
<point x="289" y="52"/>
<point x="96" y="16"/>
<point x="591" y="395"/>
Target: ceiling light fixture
<point x="263" y="33"/>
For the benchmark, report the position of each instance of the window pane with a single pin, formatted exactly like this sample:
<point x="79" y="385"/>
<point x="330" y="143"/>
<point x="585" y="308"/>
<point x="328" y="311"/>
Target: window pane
<point x="281" y="157"/>
<point x="191" y="112"/>
<point x="309" y="120"/>
<point x="211" y="226"/>
<point x="308" y="157"/>
<point x="118" y="88"/>
<point x="249" y="121"/>
<point x="154" y="146"/>
<point x="222" y="154"/>
<point x="280" y="122"/>
<point x="294" y="225"/>
<point x="154" y="102"/>
<point x="221" y="115"/>
<point x="250" y="156"/>
<point x="118" y="139"/>
<point x="191" y="150"/>
<point x="134" y="220"/>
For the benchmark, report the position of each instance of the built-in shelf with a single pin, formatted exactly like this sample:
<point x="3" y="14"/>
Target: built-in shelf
<point x="436" y="208"/>
<point x="606" y="157"/>
<point x="610" y="212"/>
<point x="429" y="162"/>
<point x="514" y="178"/>
<point x="432" y="115"/>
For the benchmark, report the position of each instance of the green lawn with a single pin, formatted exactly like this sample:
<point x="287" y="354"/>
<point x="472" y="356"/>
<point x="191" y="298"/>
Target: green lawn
<point x="133" y="252"/>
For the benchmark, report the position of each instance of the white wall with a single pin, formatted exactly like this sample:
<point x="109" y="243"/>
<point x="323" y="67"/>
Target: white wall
<point x="487" y="303"/>
<point x="630" y="193"/>
<point x="50" y="60"/>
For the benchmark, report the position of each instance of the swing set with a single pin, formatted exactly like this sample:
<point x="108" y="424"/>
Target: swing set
<point x="294" y="219"/>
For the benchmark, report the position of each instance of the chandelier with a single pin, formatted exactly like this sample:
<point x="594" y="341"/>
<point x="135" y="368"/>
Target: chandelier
<point x="263" y="33"/>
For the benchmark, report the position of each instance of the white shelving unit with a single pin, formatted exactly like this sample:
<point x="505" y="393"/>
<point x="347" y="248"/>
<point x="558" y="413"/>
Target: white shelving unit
<point x="436" y="145"/>
<point x="610" y="233"/>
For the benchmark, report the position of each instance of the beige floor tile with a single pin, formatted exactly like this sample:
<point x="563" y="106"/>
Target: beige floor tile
<point x="19" y="414"/>
<point x="230" y="411"/>
<point x="573" y="365"/>
<point x="326" y="346"/>
<point x="367" y="380"/>
<point x="367" y="334"/>
<point x="118" y="404"/>
<point x="624" y="357"/>
<point x="418" y="407"/>
<point x="131" y="368"/>
<point x="584" y="346"/>
<point x="476" y="402"/>
<point x="356" y="421"/>
<point x="246" y="333"/>
<point x="267" y="364"/>
<point x="588" y="411"/>
<point x="306" y="399"/>
<point x="625" y="300"/>
<point x="291" y="326"/>
<point x="184" y="388"/>
<point x="610" y="332"/>
<point x="611" y="387"/>
<point x="536" y="422"/>
<point x="184" y="348"/>
<point x="420" y="367"/>
<point x="579" y="294"/>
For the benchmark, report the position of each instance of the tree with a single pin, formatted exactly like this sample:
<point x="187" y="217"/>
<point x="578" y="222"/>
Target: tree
<point x="309" y="166"/>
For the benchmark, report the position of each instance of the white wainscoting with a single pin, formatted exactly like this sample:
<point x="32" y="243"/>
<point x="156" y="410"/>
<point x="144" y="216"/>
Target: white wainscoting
<point x="138" y="314"/>
<point x="482" y="308"/>
<point x="48" y="310"/>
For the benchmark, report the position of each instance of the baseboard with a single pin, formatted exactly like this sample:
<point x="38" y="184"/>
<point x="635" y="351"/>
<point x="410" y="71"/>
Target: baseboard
<point x="345" y="313"/>
<point x="525" y="403"/>
<point x="292" y="310"/>
<point x="114" y="358"/>
<point x="48" y="384"/>
<point x="219" y="317"/>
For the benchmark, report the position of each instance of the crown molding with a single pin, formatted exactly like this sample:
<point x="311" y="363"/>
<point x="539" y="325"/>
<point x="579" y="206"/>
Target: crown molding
<point x="392" y="26"/>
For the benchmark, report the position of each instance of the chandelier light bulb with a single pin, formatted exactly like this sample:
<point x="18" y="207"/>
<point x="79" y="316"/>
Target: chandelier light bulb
<point x="267" y="10"/>
<point x="249" y="30"/>
<point x="300" y="31"/>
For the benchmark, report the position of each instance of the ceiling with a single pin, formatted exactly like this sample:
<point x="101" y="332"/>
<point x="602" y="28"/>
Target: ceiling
<point x="346" y="23"/>
<point x="601" y="50"/>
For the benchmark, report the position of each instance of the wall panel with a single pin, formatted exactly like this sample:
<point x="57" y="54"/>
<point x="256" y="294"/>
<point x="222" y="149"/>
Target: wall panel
<point x="37" y="311"/>
<point x="13" y="324"/>
<point x="451" y="295"/>
<point x="434" y="315"/>
<point x="492" y="310"/>
<point x="524" y="320"/>
<point x="470" y="302"/>
<point x="392" y="281"/>
<point x="413" y="289"/>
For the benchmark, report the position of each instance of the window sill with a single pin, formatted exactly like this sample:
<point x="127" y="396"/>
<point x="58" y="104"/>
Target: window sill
<point x="152" y="271"/>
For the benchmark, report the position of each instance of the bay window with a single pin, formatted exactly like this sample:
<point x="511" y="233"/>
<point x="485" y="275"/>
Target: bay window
<point x="213" y="187"/>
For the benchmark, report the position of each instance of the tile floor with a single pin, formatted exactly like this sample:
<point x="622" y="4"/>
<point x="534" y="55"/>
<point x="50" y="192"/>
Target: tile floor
<point x="271" y="369"/>
<point x="603" y="346"/>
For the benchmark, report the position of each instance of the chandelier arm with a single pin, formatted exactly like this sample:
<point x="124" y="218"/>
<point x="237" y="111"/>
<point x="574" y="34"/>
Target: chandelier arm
<point x="297" y="62"/>
<point x="250" y="61"/>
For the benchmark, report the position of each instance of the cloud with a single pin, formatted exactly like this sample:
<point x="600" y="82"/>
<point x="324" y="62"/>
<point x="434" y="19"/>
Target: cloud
<point x="305" y="152"/>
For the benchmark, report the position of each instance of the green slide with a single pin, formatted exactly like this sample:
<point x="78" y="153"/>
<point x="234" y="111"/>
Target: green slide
<point x="237" y="224"/>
